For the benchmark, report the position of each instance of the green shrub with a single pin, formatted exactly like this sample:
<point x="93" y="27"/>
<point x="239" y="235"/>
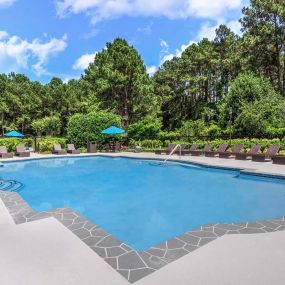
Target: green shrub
<point x="272" y="131"/>
<point x="147" y="128"/>
<point x="166" y="137"/>
<point x="83" y="128"/>
<point x="48" y="125"/>
<point x="46" y="144"/>
<point x="147" y="144"/>
<point x="11" y="143"/>
<point x="191" y="128"/>
<point x="214" y="131"/>
<point x="248" y="143"/>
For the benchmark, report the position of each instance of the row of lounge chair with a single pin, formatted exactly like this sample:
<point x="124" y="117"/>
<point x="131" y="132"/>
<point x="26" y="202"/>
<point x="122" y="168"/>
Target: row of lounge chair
<point x="237" y="152"/>
<point x="22" y="152"/>
<point x="70" y="149"/>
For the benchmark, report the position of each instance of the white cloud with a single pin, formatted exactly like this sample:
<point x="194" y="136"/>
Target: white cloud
<point x="5" y="3"/>
<point x="99" y="10"/>
<point x="151" y="69"/>
<point x="178" y="52"/>
<point x="209" y="31"/>
<point x="206" y="31"/>
<point x="83" y="61"/>
<point x="17" y="54"/>
<point x="235" y="26"/>
<point x="3" y="35"/>
<point x="164" y="45"/>
<point x="66" y="77"/>
<point x="146" y="30"/>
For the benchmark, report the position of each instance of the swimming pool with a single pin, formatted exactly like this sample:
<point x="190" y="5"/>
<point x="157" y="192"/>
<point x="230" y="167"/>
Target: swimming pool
<point x="144" y="203"/>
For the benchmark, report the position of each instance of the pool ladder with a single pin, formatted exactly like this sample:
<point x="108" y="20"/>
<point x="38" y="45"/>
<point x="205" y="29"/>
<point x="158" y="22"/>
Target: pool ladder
<point x="11" y="185"/>
<point x="173" y="151"/>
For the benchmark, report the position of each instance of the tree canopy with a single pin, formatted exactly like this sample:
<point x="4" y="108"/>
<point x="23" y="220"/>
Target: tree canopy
<point x="233" y="77"/>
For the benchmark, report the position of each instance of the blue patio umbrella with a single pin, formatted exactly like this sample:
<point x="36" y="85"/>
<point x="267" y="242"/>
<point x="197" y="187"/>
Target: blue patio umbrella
<point x="113" y="131"/>
<point x="14" y="134"/>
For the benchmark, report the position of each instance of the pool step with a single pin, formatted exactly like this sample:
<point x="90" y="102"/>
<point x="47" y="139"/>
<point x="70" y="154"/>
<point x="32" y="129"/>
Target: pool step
<point x="11" y="185"/>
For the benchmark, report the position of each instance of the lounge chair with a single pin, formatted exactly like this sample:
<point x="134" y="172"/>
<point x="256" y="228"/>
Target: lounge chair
<point x="235" y="150"/>
<point x="278" y="159"/>
<point x="222" y="148"/>
<point x="198" y="152"/>
<point x="21" y="151"/>
<point x="58" y="150"/>
<point x="185" y="151"/>
<point x="71" y="149"/>
<point x="167" y="151"/>
<point x="244" y="155"/>
<point x="4" y="153"/>
<point x="271" y="152"/>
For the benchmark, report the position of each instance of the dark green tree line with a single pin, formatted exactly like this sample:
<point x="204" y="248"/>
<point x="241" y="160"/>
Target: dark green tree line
<point x="233" y="77"/>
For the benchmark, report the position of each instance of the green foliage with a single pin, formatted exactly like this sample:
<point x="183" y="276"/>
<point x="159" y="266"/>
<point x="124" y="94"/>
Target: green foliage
<point x="38" y="126"/>
<point x="46" y="144"/>
<point x="192" y="95"/>
<point x="245" y="90"/>
<point x="193" y="129"/>
<point x="11" y="143"/>
<point x="147" y="128"/>
<point x="119" y="80"/>
<point x="248" y="143"/>
<point x="250" y="121"/>
<point x="168" y="136"/>
<point x="52" y="125"/>
<point x="146" y="144"/>
<point x="84" y="128"/>
<point x="214" y="131"/>
<point x="49" y="126"/>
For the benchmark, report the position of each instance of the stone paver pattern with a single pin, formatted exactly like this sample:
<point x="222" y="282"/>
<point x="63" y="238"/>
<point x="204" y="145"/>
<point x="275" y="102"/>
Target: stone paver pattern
<point x="128" y="262"/>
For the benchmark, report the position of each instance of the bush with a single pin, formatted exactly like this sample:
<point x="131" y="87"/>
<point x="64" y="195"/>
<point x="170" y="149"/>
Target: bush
<point x="193" y="129"/>
<point x="11" y="143"/>
<point x="275" y="132"/>
<point x="245" y="89"/>
<point x="147" y="128"/>
<point x="250" y="121"/>
<point x="165" y="137"/>
<point x="147" y="144"/>
<point x="46" y="144"/>
<point x="248" y="143"/>
<point x="214" y="131"/>
<point x="48" y="125"/>
<point x="83" y="128"/>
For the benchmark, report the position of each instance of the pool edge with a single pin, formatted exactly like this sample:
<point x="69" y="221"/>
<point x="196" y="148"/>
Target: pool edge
<point x="131" y="264"/>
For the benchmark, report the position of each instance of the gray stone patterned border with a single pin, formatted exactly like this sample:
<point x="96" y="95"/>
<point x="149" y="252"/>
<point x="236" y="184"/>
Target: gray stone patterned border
<point x="128" y="262"/>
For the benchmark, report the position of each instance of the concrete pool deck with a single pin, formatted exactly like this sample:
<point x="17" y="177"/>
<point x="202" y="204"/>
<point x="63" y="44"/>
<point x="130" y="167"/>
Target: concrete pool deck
<point x="245" y="257"/>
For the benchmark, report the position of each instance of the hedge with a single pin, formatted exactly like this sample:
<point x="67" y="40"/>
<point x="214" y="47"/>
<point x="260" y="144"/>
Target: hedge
<point x="46" y="144"/>
<point x="11" y="143"/>
<point x="156" y="144"/>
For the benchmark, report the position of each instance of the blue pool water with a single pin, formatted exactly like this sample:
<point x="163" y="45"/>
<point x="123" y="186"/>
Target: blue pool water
<point x="143" y="203"/>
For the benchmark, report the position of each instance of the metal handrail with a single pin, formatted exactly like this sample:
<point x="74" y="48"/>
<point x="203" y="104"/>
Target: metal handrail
<point x="173" y="151"/>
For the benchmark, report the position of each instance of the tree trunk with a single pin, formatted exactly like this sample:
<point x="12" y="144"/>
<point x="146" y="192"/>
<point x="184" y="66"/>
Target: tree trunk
<point x="126" y="111"/>
<point x="277" y="53"/>
<point x="2" y="125"/>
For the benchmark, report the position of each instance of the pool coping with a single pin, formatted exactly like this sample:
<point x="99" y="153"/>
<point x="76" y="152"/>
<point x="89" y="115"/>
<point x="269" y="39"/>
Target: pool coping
<point x="131" y="264"/>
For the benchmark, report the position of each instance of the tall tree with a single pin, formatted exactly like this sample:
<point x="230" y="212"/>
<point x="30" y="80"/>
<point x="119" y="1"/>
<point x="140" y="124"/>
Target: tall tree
<point x="119" y="79"/>
<point x="264" y="39"/>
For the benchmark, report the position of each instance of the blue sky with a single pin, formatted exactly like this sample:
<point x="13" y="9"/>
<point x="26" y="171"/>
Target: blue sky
<point x="46" y="38"/>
